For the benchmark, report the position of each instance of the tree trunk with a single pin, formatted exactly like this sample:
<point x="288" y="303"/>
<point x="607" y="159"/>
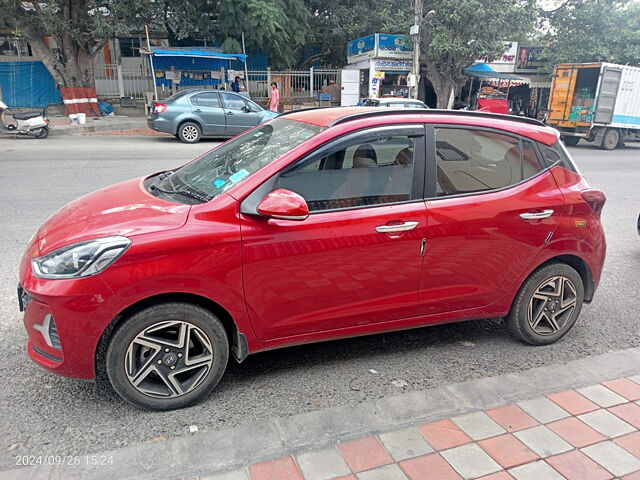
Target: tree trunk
<point x="442" y="85"/>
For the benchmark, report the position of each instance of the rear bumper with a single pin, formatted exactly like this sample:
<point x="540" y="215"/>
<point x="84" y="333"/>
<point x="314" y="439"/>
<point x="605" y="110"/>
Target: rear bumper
<point x="160" y="124"/>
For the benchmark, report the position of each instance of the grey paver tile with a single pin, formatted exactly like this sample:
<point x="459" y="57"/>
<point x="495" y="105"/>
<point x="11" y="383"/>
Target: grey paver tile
<point x="535" y="471"/>
<point x="543" y="409"/>
<point x="543" y="441"/>
<point x="235" y="475"/>
<point x="405" y="443"/>
<point x="612" y="457"/>
<point x="470" y="461"/>
<point x="478" y="425"/>
<point x="322" y="464"/>
<point x="635" y="378"/>
<point x="388" y="472"/>
<point x="606" y="423"/>
<point x="601" y="395"/>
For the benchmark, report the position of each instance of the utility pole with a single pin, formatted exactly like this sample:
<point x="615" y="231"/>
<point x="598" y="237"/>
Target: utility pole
<point x="415" y="36"/>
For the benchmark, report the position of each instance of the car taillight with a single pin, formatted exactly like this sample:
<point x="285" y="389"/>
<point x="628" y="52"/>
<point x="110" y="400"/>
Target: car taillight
<point x="595" y="198"/>
<point x="159" y="108"/>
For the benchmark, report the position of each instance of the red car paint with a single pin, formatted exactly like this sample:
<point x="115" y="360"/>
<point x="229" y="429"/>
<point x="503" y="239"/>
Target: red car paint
<point x="286" y="282"/>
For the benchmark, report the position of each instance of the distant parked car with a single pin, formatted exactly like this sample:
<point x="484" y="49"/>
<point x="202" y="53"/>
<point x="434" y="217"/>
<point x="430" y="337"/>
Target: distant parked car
<point x="394" y="103"/>
<point x="193" y="114"/>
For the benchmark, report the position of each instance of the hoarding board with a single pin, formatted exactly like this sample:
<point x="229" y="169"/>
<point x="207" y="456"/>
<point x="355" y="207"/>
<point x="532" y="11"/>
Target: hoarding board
<point x="395" y="46"/>
<point x="361" y="48"/>
<point x="507" y="57"/>
<point x="529" y="59"/>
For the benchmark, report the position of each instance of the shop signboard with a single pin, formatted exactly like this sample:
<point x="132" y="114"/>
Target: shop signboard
<point x="395" y="46"/>
<point x="392" y="65"/>
<point x="361" y="49"/>
<point x="507" y="57"/>
<point x="529" y="59"/>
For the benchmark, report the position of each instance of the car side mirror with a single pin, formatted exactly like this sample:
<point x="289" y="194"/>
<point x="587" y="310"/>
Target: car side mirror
<point x="246" y="109"/>
<point x="284" y="205"/>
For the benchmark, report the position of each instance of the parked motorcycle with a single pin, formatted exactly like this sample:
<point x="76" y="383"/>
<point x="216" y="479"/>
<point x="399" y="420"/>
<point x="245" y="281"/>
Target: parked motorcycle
<point x="31" y="123"/>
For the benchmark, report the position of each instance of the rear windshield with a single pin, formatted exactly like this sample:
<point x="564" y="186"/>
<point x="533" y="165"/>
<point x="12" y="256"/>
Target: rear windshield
<point x="176" y="96"/>
<point x="237" y="159"/>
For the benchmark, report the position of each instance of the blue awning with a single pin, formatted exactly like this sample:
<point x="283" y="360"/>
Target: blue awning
<point x="201" y="52"/>
<point x="483" y="71"/>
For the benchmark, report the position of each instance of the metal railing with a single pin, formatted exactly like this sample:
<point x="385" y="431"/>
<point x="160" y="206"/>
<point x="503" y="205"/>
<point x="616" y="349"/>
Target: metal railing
<point x="113" y="82"/>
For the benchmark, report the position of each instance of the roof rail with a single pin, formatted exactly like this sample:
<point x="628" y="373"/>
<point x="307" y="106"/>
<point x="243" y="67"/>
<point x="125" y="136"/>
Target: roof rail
<point x="431" y="111"/>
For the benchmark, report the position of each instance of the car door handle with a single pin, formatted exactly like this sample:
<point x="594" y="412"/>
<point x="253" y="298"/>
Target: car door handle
<point x="401" y="227"/>
<point x="536" y="215"/>
<point x="229" y="113"/>
<point x="198" y="110"/>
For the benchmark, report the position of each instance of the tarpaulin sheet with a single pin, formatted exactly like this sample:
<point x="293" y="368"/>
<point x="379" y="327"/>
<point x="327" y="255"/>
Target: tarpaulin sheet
<point x="28" y="84"/>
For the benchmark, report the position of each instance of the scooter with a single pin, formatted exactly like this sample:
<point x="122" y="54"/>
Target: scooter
<point x="31" y="123"/>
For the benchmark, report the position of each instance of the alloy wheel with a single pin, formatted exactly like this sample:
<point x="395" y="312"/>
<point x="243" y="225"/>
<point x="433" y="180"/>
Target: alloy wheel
<point x="168" y="359"/>
<point x="190" y="133"/>
<point x="552" y="305"/>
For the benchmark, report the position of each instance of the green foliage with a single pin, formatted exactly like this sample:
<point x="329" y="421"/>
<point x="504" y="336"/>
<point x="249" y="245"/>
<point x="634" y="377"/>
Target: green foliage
<point x="593" y="31"/>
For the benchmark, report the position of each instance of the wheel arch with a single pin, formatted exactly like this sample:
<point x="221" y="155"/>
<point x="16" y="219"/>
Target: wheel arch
<point x="184" y="120"/>
<point x="579" y="265"/>
<point x="237" y="340"/>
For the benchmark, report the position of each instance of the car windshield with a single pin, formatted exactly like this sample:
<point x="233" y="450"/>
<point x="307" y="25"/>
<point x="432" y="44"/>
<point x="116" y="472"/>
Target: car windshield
<point x="237" y="159"/>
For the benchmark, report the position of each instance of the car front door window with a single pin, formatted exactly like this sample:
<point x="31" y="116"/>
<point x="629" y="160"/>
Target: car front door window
<point x="369" y="171"/>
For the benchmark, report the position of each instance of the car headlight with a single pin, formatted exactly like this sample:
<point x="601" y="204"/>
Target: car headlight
<point x="80" y="259"/>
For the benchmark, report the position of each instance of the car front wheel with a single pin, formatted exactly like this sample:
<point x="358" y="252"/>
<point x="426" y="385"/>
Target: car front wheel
<point x="189" y="132"/>
<point x="167" y="356"/>
<point x="547" y="305"/>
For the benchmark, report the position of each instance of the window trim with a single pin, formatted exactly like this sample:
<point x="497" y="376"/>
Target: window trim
<point x="432" y="158"/>
<point x="250" y="203"/>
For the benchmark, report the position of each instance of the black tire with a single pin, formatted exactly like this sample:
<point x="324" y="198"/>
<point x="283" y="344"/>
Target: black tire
<point x="42" y="132"/>
<point x="189" y="132"/>
<point x="518" y="320"/>
<point x="571" y="141"/>
<point x="610" y="139"/>
<point x="201" y="321"/>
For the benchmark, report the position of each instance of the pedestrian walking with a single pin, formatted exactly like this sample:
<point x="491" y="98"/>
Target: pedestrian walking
<point x="235" y="86"/>
<point x="274" y="97"/>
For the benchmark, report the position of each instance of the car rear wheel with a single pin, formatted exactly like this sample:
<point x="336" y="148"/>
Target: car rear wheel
<point x="189" y="132"/>
<point x="610" y="139"/>
<point x="167" y="356"/>
<point x="547" y="305"/>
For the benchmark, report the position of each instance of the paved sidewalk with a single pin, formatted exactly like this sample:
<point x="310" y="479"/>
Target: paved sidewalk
<point x="576" y="421"/>
<point x="110" y="125"/>
<point x="589" y="433"/>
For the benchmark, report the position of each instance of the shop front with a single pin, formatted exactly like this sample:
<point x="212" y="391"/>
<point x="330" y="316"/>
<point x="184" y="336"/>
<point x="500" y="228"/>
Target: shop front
<point x="384" y="64"/>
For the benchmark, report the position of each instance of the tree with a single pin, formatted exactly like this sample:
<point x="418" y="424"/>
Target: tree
<point x="582" y="31"/>
<point x="462" y="31"/>
<point x="78" y="28"/>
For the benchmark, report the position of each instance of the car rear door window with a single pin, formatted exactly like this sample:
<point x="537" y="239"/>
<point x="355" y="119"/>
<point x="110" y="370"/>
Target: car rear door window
<point x="557" y="155"/>
<point x="209" y="99"/>
<point x="371" y="171"/>
<point x="471" y="161"/>
<point x="232" y="102"/>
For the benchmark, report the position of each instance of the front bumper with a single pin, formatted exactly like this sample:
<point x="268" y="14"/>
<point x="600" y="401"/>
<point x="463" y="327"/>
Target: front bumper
<point x="64" y="320"/>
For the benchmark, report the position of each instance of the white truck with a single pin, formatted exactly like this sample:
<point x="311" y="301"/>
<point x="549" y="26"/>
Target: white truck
<point x="599" y="102"/>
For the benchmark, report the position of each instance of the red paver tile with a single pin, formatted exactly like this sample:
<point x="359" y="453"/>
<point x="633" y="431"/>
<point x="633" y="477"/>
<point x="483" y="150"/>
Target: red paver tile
<point x="625" y="387"/>
<point x="281" y="468"/>
<point x="512" y="418"/>
<point x="575" y="465"/>
<point x="576" y="432"/>
<point x="443" y="434"/>
<point x="348" y="477"/>
<point x="573" y="402"/>
<point x="364" y="454"/>
<point x="633" y="476"/>
<point x="432" y="467"/>
<point x="508" y="451"/>
<point x="631" y="443"/>
<point x="498" y="476"/>
<point x="629" y="412"/>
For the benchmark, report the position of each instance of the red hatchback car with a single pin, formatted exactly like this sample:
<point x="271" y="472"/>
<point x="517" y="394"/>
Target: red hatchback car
<point x="319" y="224"/>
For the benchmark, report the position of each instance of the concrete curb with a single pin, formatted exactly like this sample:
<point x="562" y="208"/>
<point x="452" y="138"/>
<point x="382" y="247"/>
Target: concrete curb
<point x="208" y="452"/>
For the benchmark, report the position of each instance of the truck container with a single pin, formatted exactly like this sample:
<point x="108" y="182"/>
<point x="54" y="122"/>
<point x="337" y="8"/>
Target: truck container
<point x="599" y="102"/>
